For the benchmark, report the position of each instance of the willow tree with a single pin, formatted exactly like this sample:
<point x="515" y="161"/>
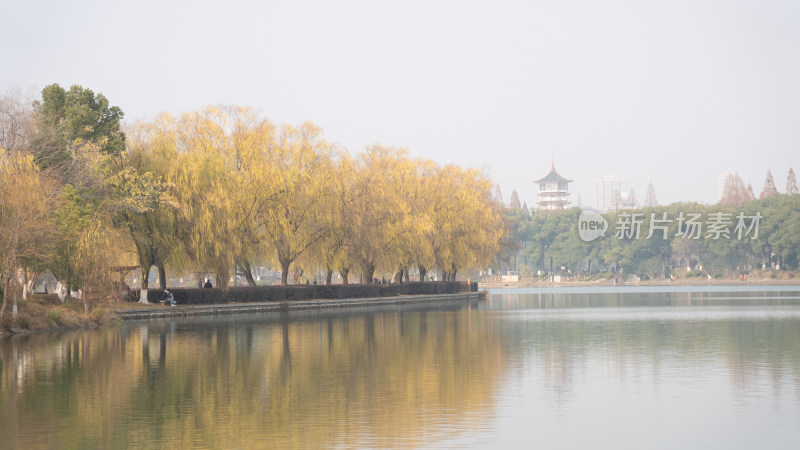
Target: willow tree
<point x="467" y="228"/>
<point x="292" y="217"/>
<point x="145" y="207"/>
<point x="253" y="144"/>
<point x="26" y="226"/>
<point x="330" y="251"/>
<point x="410" y="218"/>
<point x="380" y="211"/>
<point x="210" y="190"/>
<point x="408" y="212"/>
<point x="78" y="204"/>
<point x="98" y="247"/>
<point x="419" y="248"/>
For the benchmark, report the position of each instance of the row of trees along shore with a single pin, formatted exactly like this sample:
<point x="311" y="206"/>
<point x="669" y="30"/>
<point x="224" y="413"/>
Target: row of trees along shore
<point x="546" y="243"/>
<point x="221" y="190"/>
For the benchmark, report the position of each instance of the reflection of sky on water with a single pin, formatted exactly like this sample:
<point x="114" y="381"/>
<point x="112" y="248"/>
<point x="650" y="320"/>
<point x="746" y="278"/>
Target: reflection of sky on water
<point x="654" y="372"/>
<point x="709" y="313"/>
<point x="633" y="289"/>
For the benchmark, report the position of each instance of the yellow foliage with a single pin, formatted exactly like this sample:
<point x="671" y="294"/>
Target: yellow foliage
<point x="248" y="191"/>
<point x="26" y="227"/>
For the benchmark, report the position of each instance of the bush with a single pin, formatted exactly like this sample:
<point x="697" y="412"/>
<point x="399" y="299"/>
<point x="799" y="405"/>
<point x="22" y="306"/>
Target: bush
<point x="249" y="294"/>
<point x="602" y="275"/>
<point x="47" y="299"/>
<point x="693" y="273"/>
<point x="55" y="315"/>
<point x="98" y="314"/>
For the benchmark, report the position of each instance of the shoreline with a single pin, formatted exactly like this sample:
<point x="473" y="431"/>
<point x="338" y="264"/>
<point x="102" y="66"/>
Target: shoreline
<point x="158" y="312"/>
<point x="609" y="283"/>
<point x="133" y="312"/>
<point x="116" y="312"/>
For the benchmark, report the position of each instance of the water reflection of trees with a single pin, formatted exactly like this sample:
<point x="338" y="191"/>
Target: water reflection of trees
<point x="385" y="378"/>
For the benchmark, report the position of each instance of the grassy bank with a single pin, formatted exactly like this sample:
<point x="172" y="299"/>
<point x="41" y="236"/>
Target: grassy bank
<point x="46" y="312"/>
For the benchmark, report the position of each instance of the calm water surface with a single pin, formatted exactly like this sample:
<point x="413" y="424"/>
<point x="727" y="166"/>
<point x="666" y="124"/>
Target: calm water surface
<point x="619" y="367"/>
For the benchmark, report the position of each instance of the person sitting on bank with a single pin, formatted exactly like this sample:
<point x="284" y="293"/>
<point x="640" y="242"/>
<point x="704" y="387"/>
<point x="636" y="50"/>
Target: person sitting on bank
<point x="208" y="284"/>
<point x="169" y="298"/>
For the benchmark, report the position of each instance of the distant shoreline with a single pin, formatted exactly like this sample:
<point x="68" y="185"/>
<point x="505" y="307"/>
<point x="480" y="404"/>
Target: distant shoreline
<point x="678" y="282"/>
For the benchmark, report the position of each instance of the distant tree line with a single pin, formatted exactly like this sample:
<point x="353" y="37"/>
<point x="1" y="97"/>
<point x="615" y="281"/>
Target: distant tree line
<point x="735" y="192"/>
<point x="720" y="240"/>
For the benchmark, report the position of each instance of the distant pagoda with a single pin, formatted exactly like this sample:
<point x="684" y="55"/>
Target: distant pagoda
<point x="553" y="191"/>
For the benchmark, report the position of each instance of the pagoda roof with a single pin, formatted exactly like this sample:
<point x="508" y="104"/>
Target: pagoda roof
<point x="553" y="176"/>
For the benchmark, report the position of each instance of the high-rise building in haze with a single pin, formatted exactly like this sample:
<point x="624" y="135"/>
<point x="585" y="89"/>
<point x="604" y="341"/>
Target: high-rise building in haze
<point x="607" y="192"/>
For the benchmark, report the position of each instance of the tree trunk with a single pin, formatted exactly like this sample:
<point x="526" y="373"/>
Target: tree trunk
<point x="5" y="297"/>
<point x="369" y="272"/>
<point x="222" y="279"/>
<point x="14" y="296"/>
<point x="284" y="272"/>
<point x="407" y="276"/>
<point x="25" y="283"/>
<point x="32" y="276"/>
<point x="145" y="282"/>
<point x="14" y="280"/>
<point x="247" y="271"/>
<point x="422" y="272"/>
<point x="248" y="274"/>
<point x="328" y="276"/>
<point x="162" y="277"/>
<point x="60" y="290"/>
<point x="344" y="271"/>
<point x="222" y="273"/>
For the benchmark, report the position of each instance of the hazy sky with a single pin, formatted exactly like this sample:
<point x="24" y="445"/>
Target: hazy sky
<point x="672" y="92"/>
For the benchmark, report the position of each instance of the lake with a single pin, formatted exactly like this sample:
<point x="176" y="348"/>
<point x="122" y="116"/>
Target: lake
<point x="615" y="367"/>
